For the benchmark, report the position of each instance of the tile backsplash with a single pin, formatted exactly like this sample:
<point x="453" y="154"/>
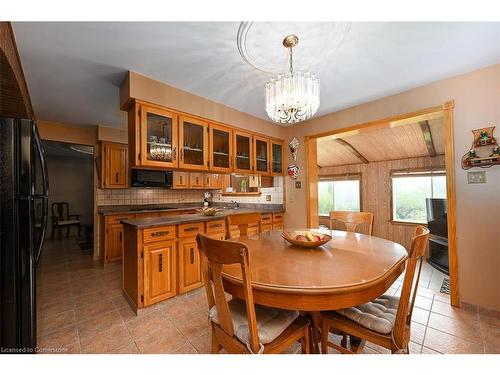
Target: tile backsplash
<point x="137" y="196"/>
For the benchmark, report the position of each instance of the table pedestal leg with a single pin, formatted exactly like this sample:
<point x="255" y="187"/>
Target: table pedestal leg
<point x="315" y="319"/>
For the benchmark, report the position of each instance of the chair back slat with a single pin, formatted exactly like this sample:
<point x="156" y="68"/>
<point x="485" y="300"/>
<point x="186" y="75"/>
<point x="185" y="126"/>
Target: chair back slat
<point x="243" y="222"/>
<point x="401" y="332"/>
<point x="352" y="220"/>
<point x="217" y="254"/>
<point x="59" y="209"/>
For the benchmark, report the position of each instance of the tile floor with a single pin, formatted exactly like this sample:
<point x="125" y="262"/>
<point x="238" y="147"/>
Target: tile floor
<point x="81" y="310"/>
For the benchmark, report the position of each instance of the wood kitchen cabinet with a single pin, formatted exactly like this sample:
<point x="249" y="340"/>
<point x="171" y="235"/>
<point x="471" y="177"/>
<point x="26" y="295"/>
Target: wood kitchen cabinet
<point x="193" y="143"/>
<point x="159" y="271"/>
<point x="196" y="180"/>
<point x="243" y="152"/>
<point x="276" y="158"/>
<point x="189" y="257"/>
<point x="180" y="180"/>
<point x="158" y="138"/>
<point x="213" y="181"/>
<point x="114" y="165"/>
<point x="261" y="155"/>
<point x="221" y="149"/>
<point x="114" y="243"/>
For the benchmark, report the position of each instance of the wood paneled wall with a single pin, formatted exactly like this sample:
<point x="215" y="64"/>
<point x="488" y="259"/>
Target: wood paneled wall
<point x="376" y="193"/>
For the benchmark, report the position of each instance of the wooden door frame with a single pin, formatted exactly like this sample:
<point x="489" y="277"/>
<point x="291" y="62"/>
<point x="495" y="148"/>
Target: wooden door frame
<point x="444" y="111"/>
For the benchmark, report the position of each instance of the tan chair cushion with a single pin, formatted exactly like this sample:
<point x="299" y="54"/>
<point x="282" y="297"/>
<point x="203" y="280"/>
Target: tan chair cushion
<point x="378" y="315"/>
<point x="270" y="322"/>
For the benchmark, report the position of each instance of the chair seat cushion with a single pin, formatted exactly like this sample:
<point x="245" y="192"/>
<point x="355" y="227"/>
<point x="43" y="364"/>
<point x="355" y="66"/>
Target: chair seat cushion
<point x="270" y="322"/>
<point x="378" y="315"/>
<point x="68" y="222"/>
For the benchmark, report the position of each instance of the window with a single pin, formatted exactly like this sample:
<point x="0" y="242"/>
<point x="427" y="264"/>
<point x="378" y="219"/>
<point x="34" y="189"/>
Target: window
<point x="409" y="190"/>
<point x="339" y="193"/>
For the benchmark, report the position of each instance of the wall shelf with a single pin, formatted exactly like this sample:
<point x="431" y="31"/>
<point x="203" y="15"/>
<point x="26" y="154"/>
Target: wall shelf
<point x="484" y="151"/>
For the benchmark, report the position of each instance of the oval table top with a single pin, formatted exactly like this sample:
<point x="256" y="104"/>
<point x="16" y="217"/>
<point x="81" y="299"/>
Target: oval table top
<point x="350" y="269"/>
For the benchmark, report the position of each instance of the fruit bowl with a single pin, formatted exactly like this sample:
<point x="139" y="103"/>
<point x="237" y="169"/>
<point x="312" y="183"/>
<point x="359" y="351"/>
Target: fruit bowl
<point x="306" y="238"/>
<point x="208" y="211"/>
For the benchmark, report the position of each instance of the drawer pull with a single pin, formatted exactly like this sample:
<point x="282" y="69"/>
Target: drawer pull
<point x="191" y="256"/>
<point x="191" y="229"/>
<point x="160" y="263"/>
<point x="216" y="225"/>
<point x="121" y="218"/>
<point x="160" y="233"/>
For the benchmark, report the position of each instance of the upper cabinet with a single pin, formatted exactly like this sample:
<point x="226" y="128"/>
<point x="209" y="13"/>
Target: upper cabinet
<point x="167" y="139"/>
<point x="193" y="142"/>
<point x="221" y="148"/>
<point x="261" y="155"/>
<point x="158" y="138"/>
<point x="277" y="158"/>
<point x="242" y="144"/>
<point x="114" y="166"/>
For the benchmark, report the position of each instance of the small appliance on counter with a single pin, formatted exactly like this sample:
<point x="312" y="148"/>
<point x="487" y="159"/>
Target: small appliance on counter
<point x="206" y="198"/>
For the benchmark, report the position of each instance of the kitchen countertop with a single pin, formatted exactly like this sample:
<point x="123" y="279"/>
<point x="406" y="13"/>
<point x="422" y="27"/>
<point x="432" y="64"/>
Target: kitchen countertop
<point x="151" y="222"/>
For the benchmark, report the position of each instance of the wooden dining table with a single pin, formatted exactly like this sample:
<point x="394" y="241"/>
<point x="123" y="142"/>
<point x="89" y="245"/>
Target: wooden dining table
<point x="349" y="270"/>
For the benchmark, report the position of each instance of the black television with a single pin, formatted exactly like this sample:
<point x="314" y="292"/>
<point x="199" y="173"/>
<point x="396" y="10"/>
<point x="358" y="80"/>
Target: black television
<point x="437" y="213"/>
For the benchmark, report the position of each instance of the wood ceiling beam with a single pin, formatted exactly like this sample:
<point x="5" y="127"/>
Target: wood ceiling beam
<point x="426" y="132"/>
<point x="353" y="150"/>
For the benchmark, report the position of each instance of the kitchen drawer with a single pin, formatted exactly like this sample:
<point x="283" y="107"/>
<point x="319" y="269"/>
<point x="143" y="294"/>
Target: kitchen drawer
<point x="115" y="219"/>
<point x="216" y="226"/>
<point x="191" y="230"/>
<point x="158" y="234"/>
<point x="277" y="217"/>
<point x="266" y="218"/>
<point x="277" y="226"/>
<point x="266" y="227"/>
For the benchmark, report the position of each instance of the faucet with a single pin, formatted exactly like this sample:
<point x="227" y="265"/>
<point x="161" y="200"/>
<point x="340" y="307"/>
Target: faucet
<point x="236" y="205"/>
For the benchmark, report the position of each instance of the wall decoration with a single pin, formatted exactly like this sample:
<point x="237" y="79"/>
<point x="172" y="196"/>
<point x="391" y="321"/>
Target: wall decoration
<point x="484" y="151"/>
<point x="293" y="171"/>
<point x="294" y="146"/>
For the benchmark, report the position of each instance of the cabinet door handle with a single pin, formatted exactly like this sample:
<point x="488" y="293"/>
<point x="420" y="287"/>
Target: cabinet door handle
<point x="191" y="255"/>
<point x="116" y="177"/>
<point x="180" y="180"/>
<point x="160" y="233"/>
<point x="192" y="229"/>
<point x="181" y="154"/>
<point x="174" y="153"/>
<point x="197" y="181"/>
<point x="121" y="237"/>
<point x="160" y="263"/>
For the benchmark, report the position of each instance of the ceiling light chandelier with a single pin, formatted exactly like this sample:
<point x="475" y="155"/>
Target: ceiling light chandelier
<point x="294" y="96"/>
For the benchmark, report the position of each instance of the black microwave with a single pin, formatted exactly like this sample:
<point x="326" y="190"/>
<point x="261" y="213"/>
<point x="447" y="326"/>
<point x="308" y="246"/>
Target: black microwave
<point x="151" y="178"/>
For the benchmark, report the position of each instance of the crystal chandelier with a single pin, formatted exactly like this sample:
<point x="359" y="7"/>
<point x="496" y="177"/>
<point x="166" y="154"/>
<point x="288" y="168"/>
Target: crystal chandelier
<point x="294" y="96"/>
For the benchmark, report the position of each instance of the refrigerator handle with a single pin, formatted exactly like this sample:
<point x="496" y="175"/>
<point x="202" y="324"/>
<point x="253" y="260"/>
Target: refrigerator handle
<point x="45" y="198"/>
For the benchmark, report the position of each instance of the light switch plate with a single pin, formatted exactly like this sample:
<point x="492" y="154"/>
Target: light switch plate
<point x="298" y="185"/>
<point x="478" y="177"/>
<point x="268" y="197"/>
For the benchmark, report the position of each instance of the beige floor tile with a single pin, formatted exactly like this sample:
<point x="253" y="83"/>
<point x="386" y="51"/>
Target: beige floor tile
<point x="108" y="341"/>
<point x="426" y="350"/>
<point x="454" y="312"/>
<point x="143" y="326"/>
<point x="420" y="315"/>
<point x="164" y="340"/>
<point x="96" y="324"/>
<point x="467" y="329"/>
<point x="50" y="323"/>
<point x="94" y="309"/>
<point x="414" y="348"/>
<point x="417" y="333"/>
<point x="202" y="343"/>
<point x="59" y="341"/>
<point x="449" y="344"/>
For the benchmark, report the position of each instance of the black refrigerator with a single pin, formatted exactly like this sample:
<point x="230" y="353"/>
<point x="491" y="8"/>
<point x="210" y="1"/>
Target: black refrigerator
<point x="23" y="221"/>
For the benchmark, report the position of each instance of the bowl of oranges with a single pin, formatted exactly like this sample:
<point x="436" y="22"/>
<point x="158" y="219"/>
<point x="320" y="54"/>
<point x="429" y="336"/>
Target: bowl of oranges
<point x="306" y="238"/>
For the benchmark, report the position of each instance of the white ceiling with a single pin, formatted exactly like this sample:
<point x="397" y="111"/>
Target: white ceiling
<point x="74" y="70"/>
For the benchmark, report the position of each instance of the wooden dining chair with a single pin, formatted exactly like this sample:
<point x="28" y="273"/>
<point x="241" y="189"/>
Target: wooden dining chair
<point x="384" y="321"/>
<point x="352" y="220"/>
<point x="240" y="326"/>
<point x="242" y="225"/>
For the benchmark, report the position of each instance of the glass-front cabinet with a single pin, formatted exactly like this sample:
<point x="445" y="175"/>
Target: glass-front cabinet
<point x="159" y="138"/>
<point x="193" y="143"/>
<point x="243" y="153"/>
<point x="221" y="148"/>
<point x="276" y="158"/>
<point x="261" y="155"/>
